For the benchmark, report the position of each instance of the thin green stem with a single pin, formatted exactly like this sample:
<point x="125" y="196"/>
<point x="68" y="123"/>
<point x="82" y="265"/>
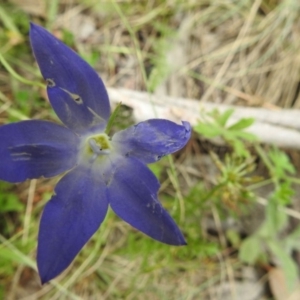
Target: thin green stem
<point x="174" y="179"/>
<point x="112" y="118"/>
<point x="8" y="22"/>
<point x="212" y="191"/>
<point x="267" y="162"/>
<point x="52" y="8"/>
<point x="263" y="156"/>
<point x="260" y="184"/>
<point x="12" y="72"/>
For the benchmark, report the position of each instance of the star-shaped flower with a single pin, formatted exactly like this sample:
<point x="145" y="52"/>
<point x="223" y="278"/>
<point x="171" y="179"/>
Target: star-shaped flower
<point x="101" y="171"/>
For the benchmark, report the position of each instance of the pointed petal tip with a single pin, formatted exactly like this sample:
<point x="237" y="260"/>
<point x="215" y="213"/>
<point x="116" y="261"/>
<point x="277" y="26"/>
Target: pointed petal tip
<point x="187" y="126"/>
<point x="45" y="276"/>
<point x="35" y="27"/>
<point x="35" y="33"/>
<point x="44" y="280"/>
<point x="176" y="244"/>
<point x="182" y="242"/>
<point x="46" y="271"/>
<point x="178" y="241"/>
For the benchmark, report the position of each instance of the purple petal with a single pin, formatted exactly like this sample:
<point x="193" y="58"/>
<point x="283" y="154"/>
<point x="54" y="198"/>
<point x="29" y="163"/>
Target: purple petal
<point x="69" y="220"/>
<point x="150" y="140"/>
<point x="132" y="194"/>
<point x="76" y="92"/>
<point x="31" y="149"/>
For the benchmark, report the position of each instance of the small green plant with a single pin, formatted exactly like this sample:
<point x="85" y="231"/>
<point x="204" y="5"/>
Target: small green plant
<point x="233" y="181"/>
<point x="235" y="185"/>
<point x="268" y="239"/>
<point x="215" y="124"/>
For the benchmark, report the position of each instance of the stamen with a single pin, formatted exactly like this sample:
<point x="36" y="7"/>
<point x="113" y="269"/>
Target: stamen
<point x="94" y="146"/>
<point x="97" y="150"/>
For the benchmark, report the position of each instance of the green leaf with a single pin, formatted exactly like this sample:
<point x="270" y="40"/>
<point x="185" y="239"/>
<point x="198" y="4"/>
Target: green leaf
<point x="289" y="267"/>
<point x="292" y="241"/>
<point x="223" y="118"/>
<point x="240" y="149"/>
<point x="18" y="255"/>
<point x="208" y="130"/>
<point x="233" y="237"/>
<point x="156" y="169"/>
<point x="250" y="250"/>
<point x="284" y="193"/>
<point x="246" y="136"/>
<point x="8" y="255"/>
<point x="242" y="124"/>
<point x="68" y="38"/>
<point x="239" y="136"/>
<point x="10" y="202"/>
<point x="112" y="118"/>
<point x="281" y="163"/>
<point x="295" y="234"/>
<point x="276" y="218"/>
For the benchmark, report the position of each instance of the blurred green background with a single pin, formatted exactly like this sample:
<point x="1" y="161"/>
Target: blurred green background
<point x="235" y="199"/>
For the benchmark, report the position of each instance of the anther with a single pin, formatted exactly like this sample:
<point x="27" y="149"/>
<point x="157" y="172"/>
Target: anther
<point x="96" y="149"/>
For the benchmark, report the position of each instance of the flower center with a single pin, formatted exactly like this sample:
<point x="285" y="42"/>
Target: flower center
<point x="98" y="145"/>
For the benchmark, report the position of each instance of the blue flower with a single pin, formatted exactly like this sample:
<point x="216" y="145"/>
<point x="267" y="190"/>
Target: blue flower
<point x="100" y="171"/>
